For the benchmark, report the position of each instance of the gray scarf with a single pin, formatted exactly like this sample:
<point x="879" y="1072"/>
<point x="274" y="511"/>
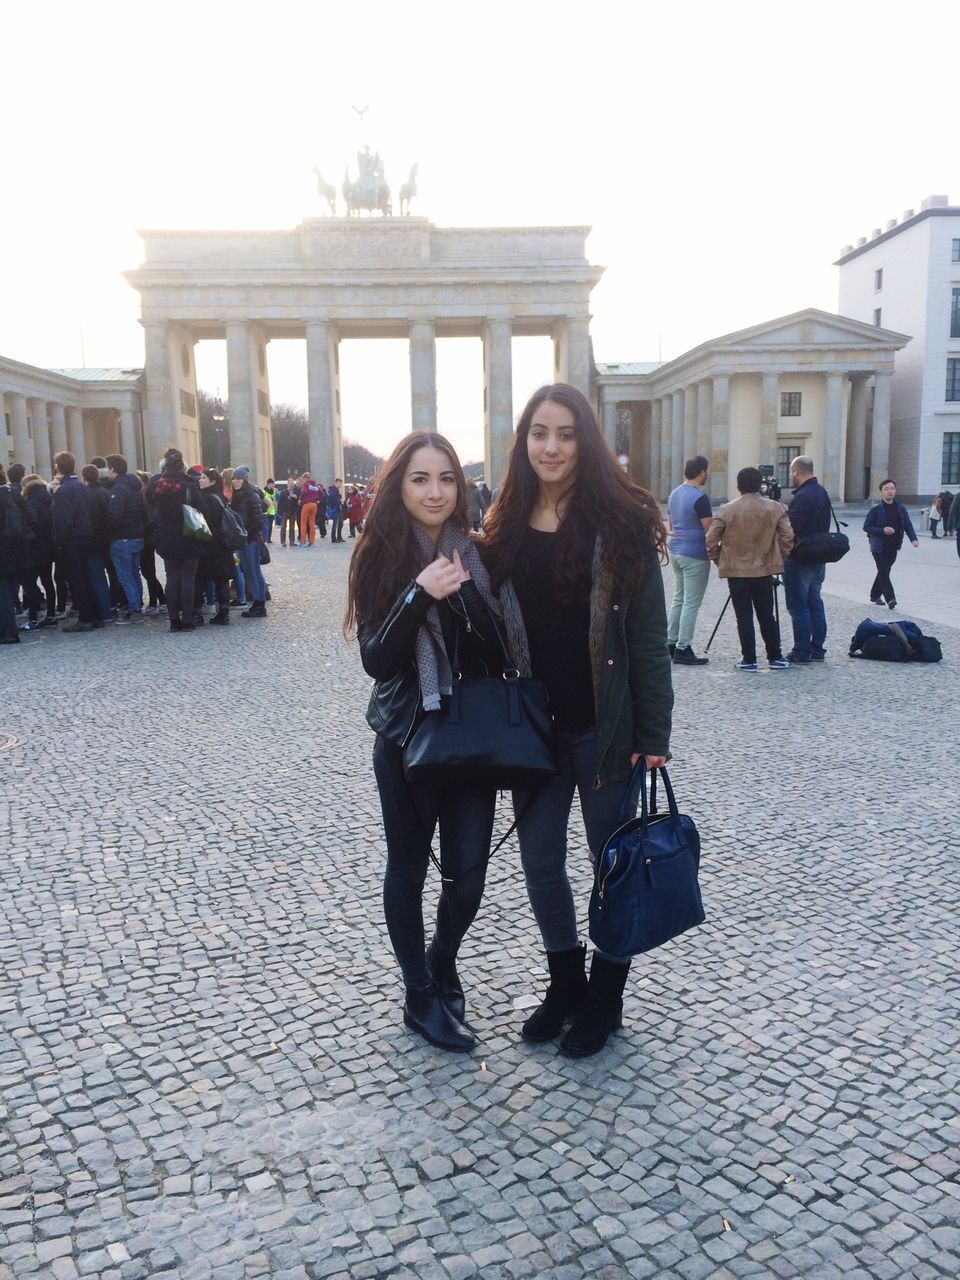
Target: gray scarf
<point x="433" y="665"/>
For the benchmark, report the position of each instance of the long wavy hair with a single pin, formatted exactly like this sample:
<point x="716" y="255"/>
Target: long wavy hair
<point x="387" y="555"/>
<point x="603" y="501"/>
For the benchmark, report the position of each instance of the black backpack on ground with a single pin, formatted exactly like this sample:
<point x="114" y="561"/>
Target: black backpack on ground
<point x="894" y="642"/>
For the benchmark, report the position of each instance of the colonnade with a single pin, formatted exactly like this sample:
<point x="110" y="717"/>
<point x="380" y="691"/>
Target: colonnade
<point x="41" y="427"/>
<point x="850" y="446"/>
<point x="172" y="389"/>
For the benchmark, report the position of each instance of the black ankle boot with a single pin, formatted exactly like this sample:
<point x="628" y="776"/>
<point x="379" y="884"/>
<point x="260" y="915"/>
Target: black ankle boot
<point x="600" y="1014"/>
<point x="425" y="1013"/>
<point x="565" y="994"/>
<point x="221" y="618"/>
<point x="443" y="970"/>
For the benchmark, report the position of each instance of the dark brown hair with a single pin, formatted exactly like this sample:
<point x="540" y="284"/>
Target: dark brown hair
<point x="603" y="501"/>
<point x="215" y="478"/>
<point x="388" y="556"/>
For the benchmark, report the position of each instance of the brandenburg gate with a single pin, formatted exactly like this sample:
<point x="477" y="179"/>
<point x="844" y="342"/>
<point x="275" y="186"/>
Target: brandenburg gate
<point x="334" y="278"/>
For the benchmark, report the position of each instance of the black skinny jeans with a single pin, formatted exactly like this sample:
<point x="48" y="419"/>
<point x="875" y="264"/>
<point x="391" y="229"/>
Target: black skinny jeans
<point x="148" y="571"/>
<point x="73" y="556"/>
<point x="882" y="588"/>
<point x="31" y="592"/>
<point x="410" y="817"/>
<point x="181" y="576"/>
<point x="749" y="595"/>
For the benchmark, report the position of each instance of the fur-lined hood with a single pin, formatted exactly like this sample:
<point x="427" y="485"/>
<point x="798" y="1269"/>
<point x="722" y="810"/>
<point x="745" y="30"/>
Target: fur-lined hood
<point x="35" y="482"/>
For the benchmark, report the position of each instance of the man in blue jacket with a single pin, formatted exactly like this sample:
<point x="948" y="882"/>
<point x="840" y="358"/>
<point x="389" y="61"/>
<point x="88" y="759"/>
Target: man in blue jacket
<point x="809" y="512"/>
<point x="885" y="525"/>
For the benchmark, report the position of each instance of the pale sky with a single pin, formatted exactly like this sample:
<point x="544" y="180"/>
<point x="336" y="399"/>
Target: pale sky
<point x="723" y="154"/>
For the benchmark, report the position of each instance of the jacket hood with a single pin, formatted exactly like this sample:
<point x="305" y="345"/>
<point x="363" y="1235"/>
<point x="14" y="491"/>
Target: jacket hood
<point x="30" y="485"/>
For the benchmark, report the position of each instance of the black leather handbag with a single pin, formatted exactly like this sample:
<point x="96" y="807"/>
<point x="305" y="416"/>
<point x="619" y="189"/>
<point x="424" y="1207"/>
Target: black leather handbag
<point x="493" y="729"/>
<point x="645" y="887"/>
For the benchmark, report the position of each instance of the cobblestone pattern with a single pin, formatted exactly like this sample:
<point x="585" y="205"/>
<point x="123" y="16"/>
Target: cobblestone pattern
<point x="204" y="1071"/>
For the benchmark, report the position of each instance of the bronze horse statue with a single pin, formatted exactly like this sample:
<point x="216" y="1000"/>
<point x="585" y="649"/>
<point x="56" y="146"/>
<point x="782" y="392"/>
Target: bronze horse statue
<point x="407" y="191"/>
<point x="326" y="191"/>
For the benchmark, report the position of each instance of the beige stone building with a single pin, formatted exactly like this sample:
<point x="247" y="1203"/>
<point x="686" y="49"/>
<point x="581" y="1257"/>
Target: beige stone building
<point x="88" y="411"/>
<point x="811" y="383"/>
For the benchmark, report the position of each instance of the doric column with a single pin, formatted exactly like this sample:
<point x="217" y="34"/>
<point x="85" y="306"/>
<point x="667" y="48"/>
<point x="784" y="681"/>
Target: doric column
<point x="41" y="436"/>
<point x="243" y="426"/>
<point x="325" y="447"/>
<point x="769" y="417"/>
<point x="880" y="438"/>
<point x="163" y="412"/>
<point x="578" y="353"/>
<point x="831" y="477"/>
<point x="75" y="441"/>
<point x="720" y="438"/>
<point x="58" y="431"/>
<point x="690" y="407"/>
<point x="676" y="453"/>
<point x="20" y="430"/>
<point x="666" y="446"/>
<point x="423" y="375"/>
<point x="610" y="411"/>
<point x="497" y="399"/>
<point x="656" y="427"/>
<point x="704" y="418"/>
<point x="856" y="476"/>
<point x="128" y="438"/>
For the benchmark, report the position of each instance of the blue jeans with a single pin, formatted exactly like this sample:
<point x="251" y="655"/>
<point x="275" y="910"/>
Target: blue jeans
<point x="411" y="814"/>
<point x="97" y="575"/>
<point x="542" y="817"/>
<point x="125" y="554"/>
<point x="801" y="586"/>
<point x="249" y="557"/>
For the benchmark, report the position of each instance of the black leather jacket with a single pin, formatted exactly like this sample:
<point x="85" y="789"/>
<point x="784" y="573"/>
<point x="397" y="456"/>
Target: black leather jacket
<point x="387" y="654"/>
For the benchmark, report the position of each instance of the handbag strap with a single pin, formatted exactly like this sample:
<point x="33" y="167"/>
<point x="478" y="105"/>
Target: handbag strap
<point x="509" y="672"/>
<point x="834" y="514"/>
<point x="638" y="782"/>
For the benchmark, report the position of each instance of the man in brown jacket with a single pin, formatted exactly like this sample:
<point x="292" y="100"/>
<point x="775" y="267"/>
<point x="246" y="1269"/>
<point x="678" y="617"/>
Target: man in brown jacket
<point x="748" y="540"/>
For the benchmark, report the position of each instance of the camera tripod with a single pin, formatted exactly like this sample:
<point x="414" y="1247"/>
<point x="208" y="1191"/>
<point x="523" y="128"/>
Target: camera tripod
<point x="777" y="584"/>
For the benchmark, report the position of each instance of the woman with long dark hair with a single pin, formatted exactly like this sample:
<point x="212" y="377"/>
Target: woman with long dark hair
<point x="419" y="597"/>
<point x="168" y="492"/>
<point x="572" y="546"/>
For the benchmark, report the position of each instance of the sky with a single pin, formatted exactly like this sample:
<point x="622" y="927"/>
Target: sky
<point x="722" y="154"/>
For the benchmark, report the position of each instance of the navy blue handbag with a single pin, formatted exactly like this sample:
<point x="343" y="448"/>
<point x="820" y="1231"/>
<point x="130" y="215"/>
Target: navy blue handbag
<point x="645" y="887"/>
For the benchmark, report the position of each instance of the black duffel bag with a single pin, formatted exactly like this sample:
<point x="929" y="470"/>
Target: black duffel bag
<point x="822" y="548"/>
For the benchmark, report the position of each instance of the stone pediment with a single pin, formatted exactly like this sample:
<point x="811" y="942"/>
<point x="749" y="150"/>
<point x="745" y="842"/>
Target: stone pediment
<point x="810" y="329"/>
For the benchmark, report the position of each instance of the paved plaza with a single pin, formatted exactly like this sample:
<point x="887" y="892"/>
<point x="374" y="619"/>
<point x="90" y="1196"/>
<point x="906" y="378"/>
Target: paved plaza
<point x="203" y="1070"/>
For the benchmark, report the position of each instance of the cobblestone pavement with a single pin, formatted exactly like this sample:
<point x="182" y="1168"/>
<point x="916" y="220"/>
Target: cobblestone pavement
<point x="203" y="1071"/>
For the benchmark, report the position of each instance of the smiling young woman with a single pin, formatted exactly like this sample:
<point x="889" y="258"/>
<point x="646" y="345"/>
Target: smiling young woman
<point x="572" y="548"/>
<point x="418" y="594"/>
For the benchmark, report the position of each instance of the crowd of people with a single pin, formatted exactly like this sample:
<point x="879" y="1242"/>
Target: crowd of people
<point x="80" y="551"/>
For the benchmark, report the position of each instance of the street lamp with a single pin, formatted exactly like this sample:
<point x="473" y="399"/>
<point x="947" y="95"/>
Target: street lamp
<point x="219" y="418"/>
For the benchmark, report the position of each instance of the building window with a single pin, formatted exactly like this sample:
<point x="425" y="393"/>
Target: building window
<point x="955" y="256"/>
<point x="790" y="404"/>
<point x="951" y="458"/>
<point x="785" y="455"/>
<point x="953" y="380"/>
<point x="955" y="314"/>
<point x="878" y="280"/>
<point x="876" y="316"/>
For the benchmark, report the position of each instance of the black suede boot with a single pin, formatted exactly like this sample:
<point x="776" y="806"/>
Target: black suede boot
<point x="601" y="1013"/>
<point x="565" y="994"/>
<point x="425" y="1013"/>
<point x="221" y="618"/>
<point x="443" y="970"/>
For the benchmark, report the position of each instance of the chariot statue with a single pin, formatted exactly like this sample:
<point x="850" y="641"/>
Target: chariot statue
<point x="370" y="190"/>
<point x="407" y="191"/>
